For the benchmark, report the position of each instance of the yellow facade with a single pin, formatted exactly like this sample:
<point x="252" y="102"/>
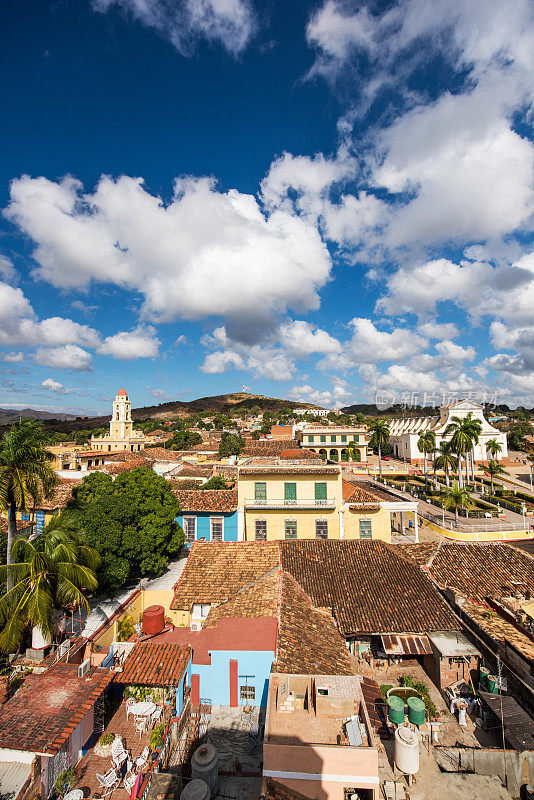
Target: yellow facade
<point x="304" y="503"/>
<point x="331" y="443"/>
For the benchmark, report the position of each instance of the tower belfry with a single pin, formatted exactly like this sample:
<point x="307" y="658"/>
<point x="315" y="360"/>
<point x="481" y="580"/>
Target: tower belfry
<point x="121" y="418"/>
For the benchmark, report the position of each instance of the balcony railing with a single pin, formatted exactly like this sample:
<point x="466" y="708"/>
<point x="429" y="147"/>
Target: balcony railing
<point x="328" y="502"/>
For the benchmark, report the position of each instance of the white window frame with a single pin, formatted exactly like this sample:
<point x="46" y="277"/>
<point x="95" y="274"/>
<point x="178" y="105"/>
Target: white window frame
<point x="366" y="538"/>
<point x="217" y="519"/>
<point x="187" y="540"/>
<point x="200" y="610"/>
<point x="321" y="522"/>
<point x="261" y="538"/>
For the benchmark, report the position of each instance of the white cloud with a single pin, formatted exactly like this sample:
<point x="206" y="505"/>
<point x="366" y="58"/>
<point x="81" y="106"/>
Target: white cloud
<point x="263" y="361"/>
<point x="53" y="386"/>
<point x="230" y="23"/>
<point x="13" y="358"/>
<point x="335" y="397"/>
<point x="129" y="345"/>
<point x="439" y="330"/>
<point x="302" y="339"/>
<point x="204" y="253"/>
<point x="83" y="308"/>
<point x="69" y="356"/>
<point x="8" y="272"/>
<point x="182" y="339"/>
<point x="159" y="394"/>
<point x="369" y="345"/>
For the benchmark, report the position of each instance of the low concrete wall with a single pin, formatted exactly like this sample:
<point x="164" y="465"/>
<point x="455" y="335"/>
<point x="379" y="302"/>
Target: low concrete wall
<point x="519" y="766"/>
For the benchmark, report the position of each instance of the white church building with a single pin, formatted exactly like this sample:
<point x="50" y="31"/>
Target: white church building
<point x="404" y="433"/>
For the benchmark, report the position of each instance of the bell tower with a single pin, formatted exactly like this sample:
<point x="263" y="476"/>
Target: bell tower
<point x="121" y="419"/>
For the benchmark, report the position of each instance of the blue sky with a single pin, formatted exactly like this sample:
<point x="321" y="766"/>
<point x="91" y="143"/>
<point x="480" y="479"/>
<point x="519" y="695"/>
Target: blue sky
<point x="324" y="201"/>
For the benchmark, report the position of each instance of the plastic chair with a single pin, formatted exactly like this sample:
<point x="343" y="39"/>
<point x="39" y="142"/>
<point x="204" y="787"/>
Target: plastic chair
<point x="129" y="703"/>
<point x="129" y="781"/>
<point x="108" y="782"/>
<point x="140" y="726"/>
<point x="143" y="758"/>
<point x="156" y="715"/>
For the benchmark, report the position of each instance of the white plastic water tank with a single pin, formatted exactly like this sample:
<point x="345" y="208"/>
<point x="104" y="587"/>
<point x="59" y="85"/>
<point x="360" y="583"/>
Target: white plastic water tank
<point x="407" y="750"/>
<point x="195" y="790"/>
<point x="40" y="640"/>
<point x="205" y="765"/>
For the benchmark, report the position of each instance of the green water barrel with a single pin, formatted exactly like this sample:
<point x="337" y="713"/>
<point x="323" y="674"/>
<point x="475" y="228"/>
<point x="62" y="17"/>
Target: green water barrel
<point x="416" y="710"/>
<point x="395" y="709"/>
<point x="483" y="677"/>
<point x="492" y="684"/>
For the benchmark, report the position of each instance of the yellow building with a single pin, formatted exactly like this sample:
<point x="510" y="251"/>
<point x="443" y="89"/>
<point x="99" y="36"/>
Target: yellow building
<point x="70" y="456"/>
<point x="122" y="435"/>
<point x="331" y="443"/>
<point x="290" y="500"/>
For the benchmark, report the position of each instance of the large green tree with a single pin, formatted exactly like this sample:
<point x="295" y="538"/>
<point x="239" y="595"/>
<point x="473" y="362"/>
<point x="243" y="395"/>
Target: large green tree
<point x="130" y="522"/>
<point x="50" y="572"/>
<point x="25" y="474"/>
<point x="456" y="497"/>
<point x="231" y="444"/>
<point x="446" y="460"/>
<point x="183" y="440"/>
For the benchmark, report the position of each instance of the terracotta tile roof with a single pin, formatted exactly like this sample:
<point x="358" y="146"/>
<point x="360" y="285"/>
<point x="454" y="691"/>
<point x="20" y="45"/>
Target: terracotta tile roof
<point x="500" y="629"/>
<point x="215" y="574"/>
<point x="475" y="570"/>
<point x="159" y="454"/>
<point x="300" y="453"/>
<point x="217" y="500"/>
<point x="155" y="664"/>
<point x="124" y="466"/>
<point x="360" y="492"/>
<point x="193" y="471"/>
<point x="369" y="586"/>
<point x="61" y="496"/>
<point x="42" y="714"/>
<point x="122" y="455"/>
<point x="308" y="640"/>
<point x="287" y="469"/>
<point x="258" y="599"/>
<point x="271" y="447"/>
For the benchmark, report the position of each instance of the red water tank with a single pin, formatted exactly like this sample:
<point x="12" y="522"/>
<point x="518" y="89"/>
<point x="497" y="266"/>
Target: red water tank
<point x="153" y="620"/>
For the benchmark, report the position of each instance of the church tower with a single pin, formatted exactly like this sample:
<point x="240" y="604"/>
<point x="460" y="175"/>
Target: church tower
<point x="121" y="419"/>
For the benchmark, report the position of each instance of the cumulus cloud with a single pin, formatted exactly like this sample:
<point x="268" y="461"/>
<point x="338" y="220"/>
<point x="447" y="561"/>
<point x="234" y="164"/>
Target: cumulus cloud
<point x="159" y="394"/>
<point x="13" y="358"/>
<point x="302" y="338"/>
<point x="53" y="386"/>
<point x="204" y="253"/>
<point x="129" y="345"/>
<point x="439" y="330"/>
<point x="68" y="356"/>
<point x="335" y="397"/>
<point x="369" y="345"/>
<point x="262" y="361"/>
<point x="230" y="23"/>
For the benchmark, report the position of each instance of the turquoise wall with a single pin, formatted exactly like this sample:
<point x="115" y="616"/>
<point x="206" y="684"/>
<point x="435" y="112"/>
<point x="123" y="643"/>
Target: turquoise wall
<point x="203" y="525"/>
<point x="180" y="689"/>
<point x="215" y="678"/>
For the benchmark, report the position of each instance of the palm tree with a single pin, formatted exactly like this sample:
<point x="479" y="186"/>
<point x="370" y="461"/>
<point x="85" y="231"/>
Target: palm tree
<point x="446" y="460"/>
<point x="25" y="473"/>
<point x="464" y="433"/>
<point x="456" y="497"/>
<point x="380" y="437"/>
<point x="353" y="451"/>
<point x="494" y="468"/>
<point x="493" y="448"/>
<point x="475" y="427"/>
<point x="426" y="444"/>
<point x="50" y="572"/>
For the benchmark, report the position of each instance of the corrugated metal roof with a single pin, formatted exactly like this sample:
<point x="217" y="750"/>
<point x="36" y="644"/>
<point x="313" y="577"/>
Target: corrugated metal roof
<point x="404" y="645"/>
<point x="13" y="776"/>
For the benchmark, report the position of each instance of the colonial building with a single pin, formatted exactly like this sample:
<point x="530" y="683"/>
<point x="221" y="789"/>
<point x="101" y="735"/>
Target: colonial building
<point x="303" y="499"/>
<point x="331" y="443"/>
<point x="405" y="433"/>
<point x="122" y="435"/>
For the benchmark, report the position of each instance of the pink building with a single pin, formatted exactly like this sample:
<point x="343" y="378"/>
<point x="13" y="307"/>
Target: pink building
<point x="319" y="741"/>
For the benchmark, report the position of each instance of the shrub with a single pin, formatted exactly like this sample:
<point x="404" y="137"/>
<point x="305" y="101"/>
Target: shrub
<point x="106" y="739"/>
<point x="157" y="737"/>
<point x="384" y="688"/>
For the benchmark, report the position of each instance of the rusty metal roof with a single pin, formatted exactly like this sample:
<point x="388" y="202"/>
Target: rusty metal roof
<point x="404" y="645"/>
